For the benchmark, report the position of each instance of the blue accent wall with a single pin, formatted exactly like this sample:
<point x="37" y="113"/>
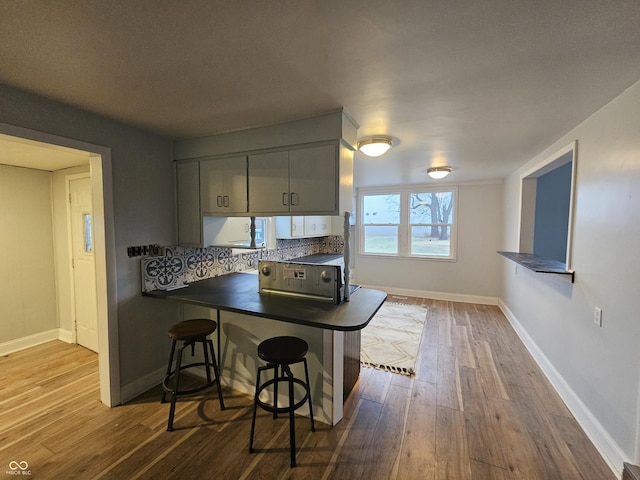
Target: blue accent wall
<point x="553" y="196"/>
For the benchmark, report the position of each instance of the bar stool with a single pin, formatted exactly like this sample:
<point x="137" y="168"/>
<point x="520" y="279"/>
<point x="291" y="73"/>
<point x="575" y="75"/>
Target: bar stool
<point x="190" y="332"/>
<point x="280" y="353"/>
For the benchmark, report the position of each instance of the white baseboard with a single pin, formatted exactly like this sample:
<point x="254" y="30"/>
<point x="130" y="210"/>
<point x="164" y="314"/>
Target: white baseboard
<point x="141" y="385"/>
<point x="603" y="442"/>
<point x="35" y="339"/>
<point x="138" y="387"/>
<point x="452" y="297"/>
<point x="66" y="336"/>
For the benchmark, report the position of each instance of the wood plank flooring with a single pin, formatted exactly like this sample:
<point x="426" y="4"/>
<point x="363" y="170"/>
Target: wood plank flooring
<point x="478" y="408"/>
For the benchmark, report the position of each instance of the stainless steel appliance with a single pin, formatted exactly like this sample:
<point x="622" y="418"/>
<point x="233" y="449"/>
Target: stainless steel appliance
<point x="301" y="280"/>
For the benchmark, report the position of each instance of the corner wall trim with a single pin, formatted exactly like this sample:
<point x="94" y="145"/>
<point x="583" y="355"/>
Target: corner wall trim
<point x="603" y="442"/>
<point x="141" y="385"/>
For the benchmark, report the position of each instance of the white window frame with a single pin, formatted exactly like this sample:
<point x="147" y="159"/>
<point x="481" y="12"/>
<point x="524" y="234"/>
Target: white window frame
<point x="404" y="236"/>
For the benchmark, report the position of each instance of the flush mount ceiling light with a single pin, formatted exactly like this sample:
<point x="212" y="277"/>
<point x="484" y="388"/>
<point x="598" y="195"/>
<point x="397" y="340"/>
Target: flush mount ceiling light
<point x="438" y="172"/>
<point x="375" y="146"/>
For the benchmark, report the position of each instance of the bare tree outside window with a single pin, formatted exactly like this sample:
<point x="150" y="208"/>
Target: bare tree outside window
<point x="409" y="223"/>
<point x="430" y="219"/>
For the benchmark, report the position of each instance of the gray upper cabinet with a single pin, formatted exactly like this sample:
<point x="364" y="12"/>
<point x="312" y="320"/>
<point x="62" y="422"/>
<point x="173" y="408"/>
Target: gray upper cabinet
<point x="223" y="186"/>
<point x="188" y="196"/>
<point x="269" y="182"/>
<point x="301" y="180"/>
<point x="313" y="176"/>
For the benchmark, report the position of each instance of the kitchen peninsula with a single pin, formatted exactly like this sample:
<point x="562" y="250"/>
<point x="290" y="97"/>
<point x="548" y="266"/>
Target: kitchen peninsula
<point x="247" y="317"/>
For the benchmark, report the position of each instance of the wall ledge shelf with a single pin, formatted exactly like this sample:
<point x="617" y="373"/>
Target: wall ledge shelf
<point x="539" y="264"/>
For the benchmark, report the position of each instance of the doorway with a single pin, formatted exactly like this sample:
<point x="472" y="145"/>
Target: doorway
<point x="103" y="247"/>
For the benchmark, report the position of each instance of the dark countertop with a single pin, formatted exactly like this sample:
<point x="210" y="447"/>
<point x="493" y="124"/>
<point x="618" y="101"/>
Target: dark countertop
<point x="238" y="292"/>
<point x="539" y="264"/>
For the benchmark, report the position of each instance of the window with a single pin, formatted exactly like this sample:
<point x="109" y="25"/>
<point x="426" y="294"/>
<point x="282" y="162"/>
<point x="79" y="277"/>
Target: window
<point x="88" y="237"/>
<point x="416" y="222"/>
<point x="430" y="219"/>
<point x="381" y="222"/>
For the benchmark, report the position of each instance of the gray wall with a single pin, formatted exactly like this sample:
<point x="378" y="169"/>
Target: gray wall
<point x="144" y="213"/>
<point x="596" y="369"/>
<point x="553" y="202"/>
<point x="27" y="271"/>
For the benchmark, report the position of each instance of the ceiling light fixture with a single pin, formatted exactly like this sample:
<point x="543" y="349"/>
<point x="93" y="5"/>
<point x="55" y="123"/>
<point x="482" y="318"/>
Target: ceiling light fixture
<point x="438" y="172"/>
<point x="375" y="146"/>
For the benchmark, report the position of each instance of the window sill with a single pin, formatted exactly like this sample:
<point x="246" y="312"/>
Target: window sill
<point x="405" y="257"/>
<point x="539" y="264"/>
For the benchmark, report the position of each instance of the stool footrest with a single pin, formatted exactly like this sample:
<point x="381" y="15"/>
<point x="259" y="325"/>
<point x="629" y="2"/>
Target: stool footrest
<point x="168" y="389"/>
<point x="287" y="409"/>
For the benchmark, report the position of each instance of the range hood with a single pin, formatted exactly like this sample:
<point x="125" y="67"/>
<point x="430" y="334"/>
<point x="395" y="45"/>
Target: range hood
<point x="301" y="280"/>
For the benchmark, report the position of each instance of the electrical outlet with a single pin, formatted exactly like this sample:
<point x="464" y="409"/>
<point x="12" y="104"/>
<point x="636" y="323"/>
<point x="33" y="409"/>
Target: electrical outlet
<point x="597" y="316"/>
<point x="145" y="250"/>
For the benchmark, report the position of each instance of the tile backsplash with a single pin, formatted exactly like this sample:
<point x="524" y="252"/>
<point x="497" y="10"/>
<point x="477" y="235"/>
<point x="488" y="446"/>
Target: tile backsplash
<point x="182" y="265"/>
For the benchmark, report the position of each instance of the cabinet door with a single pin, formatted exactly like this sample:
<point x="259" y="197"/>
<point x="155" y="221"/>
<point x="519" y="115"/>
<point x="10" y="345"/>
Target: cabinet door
<point x="297" y="226"/>
<point x="313" y="178"/>
<point x="211" y="186"/>
<point x="289" y="227"/>
<point x="188" y="193"/>
<point x="311" y="226"/>
<point x="324" y="224"/>
<point x="223" y="185"/>
<point x="235" y="185"/>
<point x="269" y="183"/>
<point x="316" y="225"/>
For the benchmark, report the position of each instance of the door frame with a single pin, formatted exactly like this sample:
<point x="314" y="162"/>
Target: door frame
<point x="105" y="254"/>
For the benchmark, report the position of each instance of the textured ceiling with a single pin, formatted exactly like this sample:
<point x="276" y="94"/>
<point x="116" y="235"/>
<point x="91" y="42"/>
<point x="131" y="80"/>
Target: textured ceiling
<point x="481" y="86"/>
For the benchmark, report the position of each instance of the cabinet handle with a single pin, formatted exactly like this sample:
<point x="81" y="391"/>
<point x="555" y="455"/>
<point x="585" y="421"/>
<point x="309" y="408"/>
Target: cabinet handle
<point x="294" y="198"/>
<point x="284" y="198"/>
<point x="225" y="201"/>
<point x="219" y="200"/>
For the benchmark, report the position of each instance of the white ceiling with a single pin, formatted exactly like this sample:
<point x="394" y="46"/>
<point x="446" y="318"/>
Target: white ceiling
<point x="479" y="85"/>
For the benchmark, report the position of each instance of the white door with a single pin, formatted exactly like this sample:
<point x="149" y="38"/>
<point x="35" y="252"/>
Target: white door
<point x="84" y="273"/>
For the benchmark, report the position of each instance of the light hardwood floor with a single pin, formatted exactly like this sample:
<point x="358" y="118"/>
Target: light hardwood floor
<point x="477" y="408"/>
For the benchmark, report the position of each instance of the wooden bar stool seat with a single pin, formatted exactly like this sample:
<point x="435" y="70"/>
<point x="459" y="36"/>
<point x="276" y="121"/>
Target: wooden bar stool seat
<point x="190" y="332"/>
<point x="280" y="353"/>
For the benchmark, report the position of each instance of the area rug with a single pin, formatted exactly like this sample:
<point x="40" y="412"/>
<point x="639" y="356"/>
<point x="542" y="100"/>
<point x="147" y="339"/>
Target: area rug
<point x="391" y="341"/>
